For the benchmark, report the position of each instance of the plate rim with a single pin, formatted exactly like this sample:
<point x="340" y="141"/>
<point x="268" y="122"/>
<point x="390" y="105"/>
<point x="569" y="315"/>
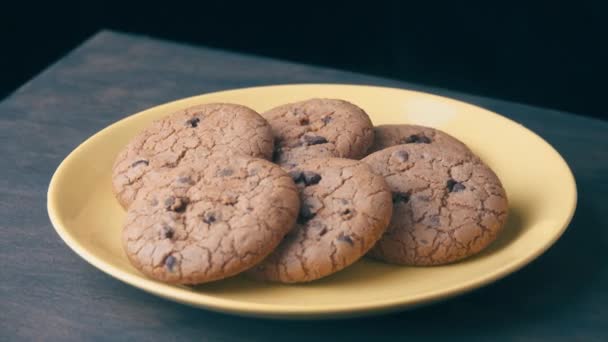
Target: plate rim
<point x="295" y="311"/>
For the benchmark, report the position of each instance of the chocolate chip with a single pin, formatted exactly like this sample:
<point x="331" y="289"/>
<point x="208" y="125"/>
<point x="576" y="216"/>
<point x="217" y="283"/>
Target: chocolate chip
<point x="402" y="156"/>
<point x="304" y="121"/>
<point x="193" y="122"/>
<point x="180" y="206"/>
<point x="306" y="177"/>
<point x="416" y="139"/>
<point x="425" y="140"/>
<point x="185" y="180"/>
<point x="314" y="139"/>
<point x="140" y="162"/>
<point x="296" y="176"/>
<point x="323" y="231"/>
<point x="305" y="214"/>
<point x="424" y="242"/>
<point x="346" y="238"/>
<point x="326" y="119"/>
<point x="176" y="204"/>
<point x="209" y="218"/>
<point x="458" y="187"/>
<point x="170" y="262"/>
<point x="311" y="178"/>
<point x="347" y="214"/>
<point x="401" y="197"/>
<point x="168" y="232"/>
<point x="454" y="186"/>
<point x="226" y="172"/>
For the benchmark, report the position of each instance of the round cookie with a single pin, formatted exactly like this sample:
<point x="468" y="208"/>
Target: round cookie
<point x="391" y="135"/>
<point x="345" y="209"/>
<point x="318" y="128"/>
<point x="448" y="205"/>
<point x="187" y="135"/>
<point x="210" y="219"/>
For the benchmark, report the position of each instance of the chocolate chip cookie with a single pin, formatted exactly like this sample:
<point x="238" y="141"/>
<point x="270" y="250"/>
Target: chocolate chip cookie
<point x="448" y="204"/>
<point x="319" y="128"/>
<point x="187" y="135"/>
<point x="345" y="208"/>
<point x="391" y="135"/>
<point x="210" y="219"/>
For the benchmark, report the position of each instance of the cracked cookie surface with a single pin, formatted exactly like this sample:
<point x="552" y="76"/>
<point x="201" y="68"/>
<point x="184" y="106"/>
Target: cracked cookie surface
<point x="345" y="209"/>
<point x="319" y="128"/>
<point x="448" y="204"/>
<point x="187" y="135"/>
<point x="210" y="219"/>
<point x="391" y="135"/>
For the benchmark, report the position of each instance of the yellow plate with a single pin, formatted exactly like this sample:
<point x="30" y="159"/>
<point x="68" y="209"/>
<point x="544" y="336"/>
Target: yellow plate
<point x="86" y="216"/>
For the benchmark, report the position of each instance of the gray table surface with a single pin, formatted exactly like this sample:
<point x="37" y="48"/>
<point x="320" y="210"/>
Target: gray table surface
<point x="48" y="293"/>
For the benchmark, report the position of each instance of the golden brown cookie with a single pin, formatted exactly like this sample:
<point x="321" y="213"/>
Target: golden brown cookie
<point x="448" y="204"/>
<point x="319" y="128"/>
<point x="189" y="134"/>
<point x="391" y="135"/>
<point x="210" y="219"/>
<point x="345" y="209"/>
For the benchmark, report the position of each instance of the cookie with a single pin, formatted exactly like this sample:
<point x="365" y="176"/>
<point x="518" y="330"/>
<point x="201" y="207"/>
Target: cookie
<point x="391" y="135"/>
<point x="345" y="208"/>
<point x="210" y="219"/>
<point x="448" y="205"/>
<point x="318" y="128"/>
<point x="186" y="135"/>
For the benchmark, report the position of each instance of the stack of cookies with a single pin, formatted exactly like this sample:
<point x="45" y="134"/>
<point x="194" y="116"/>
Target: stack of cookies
<point x="298" y="193"/>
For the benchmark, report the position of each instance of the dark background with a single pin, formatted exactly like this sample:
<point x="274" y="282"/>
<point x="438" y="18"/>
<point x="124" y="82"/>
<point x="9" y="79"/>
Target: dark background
<point x="551" y="54"/>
